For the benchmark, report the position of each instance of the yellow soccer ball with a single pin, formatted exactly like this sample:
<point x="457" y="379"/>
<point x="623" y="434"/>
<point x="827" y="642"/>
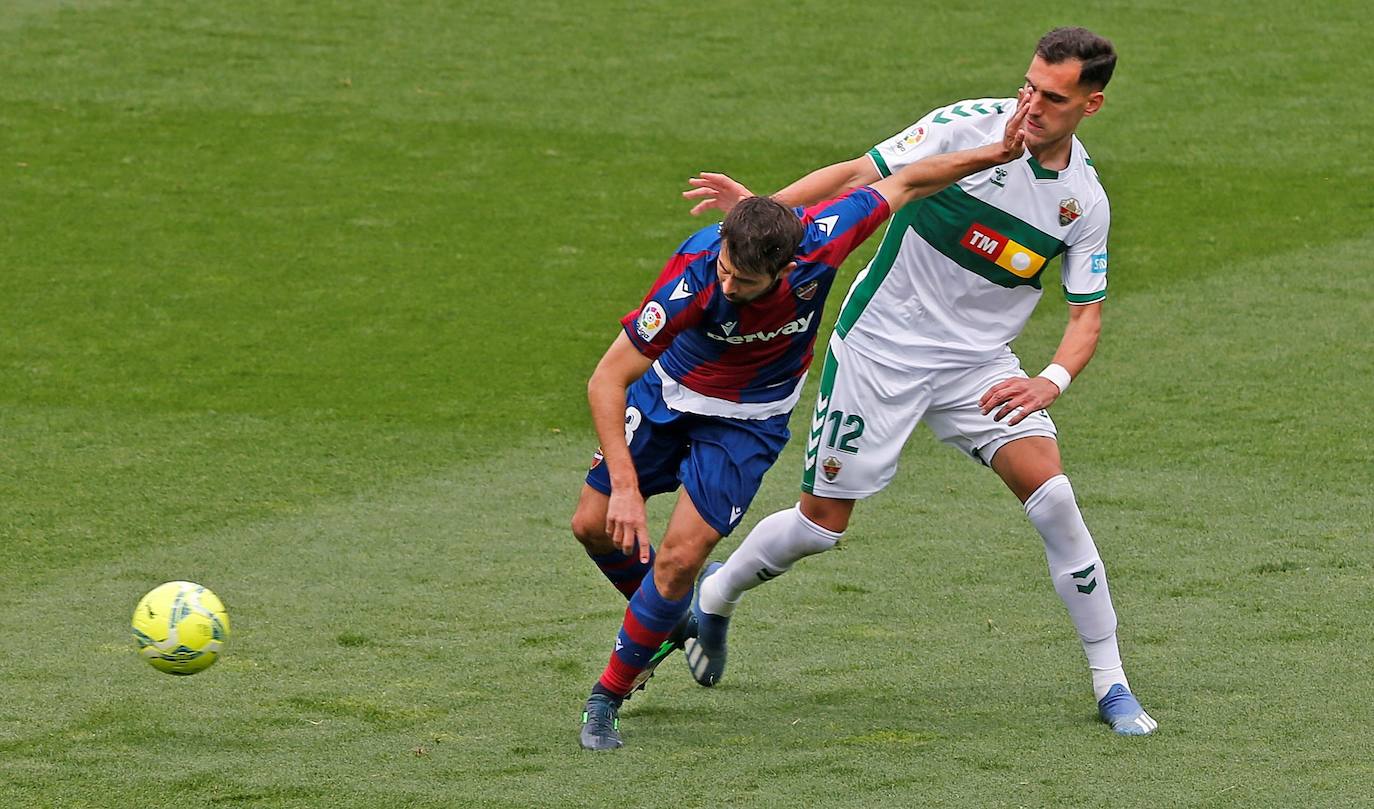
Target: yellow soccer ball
<point x="180" y="627"/>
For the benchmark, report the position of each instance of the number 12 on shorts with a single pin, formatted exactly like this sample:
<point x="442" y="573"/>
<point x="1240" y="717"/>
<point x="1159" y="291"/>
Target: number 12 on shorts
<point x="854" y="427"/>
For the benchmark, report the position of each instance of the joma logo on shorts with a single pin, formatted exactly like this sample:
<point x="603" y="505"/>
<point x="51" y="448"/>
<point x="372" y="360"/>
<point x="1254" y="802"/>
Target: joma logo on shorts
<point x="797" y="326"/>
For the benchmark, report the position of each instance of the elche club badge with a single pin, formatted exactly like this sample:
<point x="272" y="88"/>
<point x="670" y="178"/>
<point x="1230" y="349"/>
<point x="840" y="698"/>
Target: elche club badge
<point x="1069" y="210"/>
<point x="830" y="467"/>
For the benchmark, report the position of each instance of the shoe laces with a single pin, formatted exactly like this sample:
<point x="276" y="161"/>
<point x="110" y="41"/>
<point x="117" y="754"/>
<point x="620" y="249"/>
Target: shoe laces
<point x="602" y="716"/>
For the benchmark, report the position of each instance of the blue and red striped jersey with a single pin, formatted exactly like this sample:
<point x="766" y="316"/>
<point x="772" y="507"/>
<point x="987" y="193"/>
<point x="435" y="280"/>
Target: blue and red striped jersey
<point x="748" y="360"/>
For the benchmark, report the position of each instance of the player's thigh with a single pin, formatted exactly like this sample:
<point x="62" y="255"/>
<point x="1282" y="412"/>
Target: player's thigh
<point x="864" y="414"/>
<point x="725" y="466"/>
<point x="656" y="437"/>
<point x="957" y="419"/>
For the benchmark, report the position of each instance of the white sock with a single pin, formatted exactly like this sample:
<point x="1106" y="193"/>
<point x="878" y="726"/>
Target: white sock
<point x="779" y="541"/>
<point x="1104" y="659"/>
<point x="1079" y="578"/>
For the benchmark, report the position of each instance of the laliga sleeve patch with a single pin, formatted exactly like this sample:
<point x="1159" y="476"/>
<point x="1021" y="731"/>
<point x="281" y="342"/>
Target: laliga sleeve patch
<point x="912" y="139"/>
<point x="1099" y="262"/>
<point x="651" y="320"/>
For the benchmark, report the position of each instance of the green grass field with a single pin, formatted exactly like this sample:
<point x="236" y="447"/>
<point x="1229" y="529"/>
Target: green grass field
<point x="298" y="301"/>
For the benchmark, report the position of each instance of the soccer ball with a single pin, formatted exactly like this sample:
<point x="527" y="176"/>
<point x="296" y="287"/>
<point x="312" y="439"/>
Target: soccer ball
<point x="180" y="627"/>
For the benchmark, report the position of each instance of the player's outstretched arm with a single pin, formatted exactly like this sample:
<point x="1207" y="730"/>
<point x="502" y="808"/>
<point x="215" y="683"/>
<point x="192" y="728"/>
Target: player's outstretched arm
<point x="930" y="174"/>
<point x="829" y="182"/>
<point x="719" y="192"/>
<point x="626" y="522"/>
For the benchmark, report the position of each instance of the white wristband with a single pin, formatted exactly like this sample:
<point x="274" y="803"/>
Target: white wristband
<point x="1057" y="374"/>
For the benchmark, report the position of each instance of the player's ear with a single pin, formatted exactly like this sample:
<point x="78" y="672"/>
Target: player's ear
<point x="791" y="265"/>
<point x="1095" y="102"/>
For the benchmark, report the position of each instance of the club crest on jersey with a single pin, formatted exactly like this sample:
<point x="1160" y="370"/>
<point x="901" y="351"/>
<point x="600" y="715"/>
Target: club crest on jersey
<point x="1010" y="255"/>
<point x="807" y="291"/>
<point x="830" y="467"/>
<point x="1069" y="210"/>
<point x="651" y="320"/>
<point x="911" y="141"/>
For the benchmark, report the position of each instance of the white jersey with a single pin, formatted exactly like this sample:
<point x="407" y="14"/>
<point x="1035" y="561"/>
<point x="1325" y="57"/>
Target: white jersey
<point x="958" y="273"/>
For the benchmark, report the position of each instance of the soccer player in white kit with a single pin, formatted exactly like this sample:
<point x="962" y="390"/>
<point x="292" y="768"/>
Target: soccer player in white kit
<point x="925" y="333"/>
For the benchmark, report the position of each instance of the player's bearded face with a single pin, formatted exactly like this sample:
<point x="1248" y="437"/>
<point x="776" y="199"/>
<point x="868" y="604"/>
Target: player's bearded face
<point x="1057" y="101"/>
<point x="741" y="287"/>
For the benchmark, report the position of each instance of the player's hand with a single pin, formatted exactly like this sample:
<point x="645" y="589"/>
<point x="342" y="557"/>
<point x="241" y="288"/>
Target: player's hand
<point x="627" y="524"/>
<point x="1018" y="397"/>
<point x="1014" y="135"/>
<point x="715" y="191"/>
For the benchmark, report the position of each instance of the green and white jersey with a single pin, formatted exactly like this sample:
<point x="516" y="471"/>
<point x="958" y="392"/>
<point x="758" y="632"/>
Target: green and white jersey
<point x="958" y="273"/>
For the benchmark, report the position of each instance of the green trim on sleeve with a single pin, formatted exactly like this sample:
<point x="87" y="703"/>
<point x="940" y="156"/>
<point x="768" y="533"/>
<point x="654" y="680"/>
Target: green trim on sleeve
<point x="1091" y="297"/>
<point x="879" y="162"/>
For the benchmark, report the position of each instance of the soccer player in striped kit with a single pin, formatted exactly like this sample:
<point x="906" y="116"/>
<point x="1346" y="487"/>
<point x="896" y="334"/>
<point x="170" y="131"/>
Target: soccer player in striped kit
<point x="925" y="335"/>
<point x="696" y="392"/>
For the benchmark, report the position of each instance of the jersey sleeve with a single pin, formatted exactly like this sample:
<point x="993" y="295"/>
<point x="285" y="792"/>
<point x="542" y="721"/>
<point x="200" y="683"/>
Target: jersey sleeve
<point x="835" y="228"/>
<point x="676" y="301"/>
<point x="1085" y="261"/>
<point x="947" y="129"/>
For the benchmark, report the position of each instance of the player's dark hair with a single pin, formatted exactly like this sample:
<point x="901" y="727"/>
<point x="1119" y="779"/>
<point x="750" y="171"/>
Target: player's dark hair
<point x="1095" y="52"/>
<point x="763" y="235"/>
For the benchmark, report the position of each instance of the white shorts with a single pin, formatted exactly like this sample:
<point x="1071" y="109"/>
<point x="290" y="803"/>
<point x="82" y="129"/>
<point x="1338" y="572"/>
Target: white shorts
<point x="866" y="410"/>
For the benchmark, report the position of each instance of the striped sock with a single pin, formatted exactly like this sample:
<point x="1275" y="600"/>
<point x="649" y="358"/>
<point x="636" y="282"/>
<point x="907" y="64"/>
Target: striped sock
<point x="625" y="572"/>
<point x="649" y="620"/>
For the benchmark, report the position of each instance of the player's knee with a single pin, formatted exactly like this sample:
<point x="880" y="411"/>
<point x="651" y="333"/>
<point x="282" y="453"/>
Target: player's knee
<point x="590" y="529"/>
<point x="676" y="567"/>
<point x="828" y="513"/>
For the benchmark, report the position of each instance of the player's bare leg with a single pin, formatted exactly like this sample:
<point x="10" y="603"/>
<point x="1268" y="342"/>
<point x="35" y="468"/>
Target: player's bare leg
<point x="589" y="521"/>
<point x="654" y="622"/>
<point x="589" y="527"/>
<point x="1032" y="469"/>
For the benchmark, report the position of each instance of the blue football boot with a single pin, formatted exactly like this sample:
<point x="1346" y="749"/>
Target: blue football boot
<point x="601" y="723"/>
<point x="1120" y="709"/>
<point x="705" y="652"/>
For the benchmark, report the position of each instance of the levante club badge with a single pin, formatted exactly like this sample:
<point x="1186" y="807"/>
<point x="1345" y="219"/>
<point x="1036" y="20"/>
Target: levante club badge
<point x="1069" y="210"/>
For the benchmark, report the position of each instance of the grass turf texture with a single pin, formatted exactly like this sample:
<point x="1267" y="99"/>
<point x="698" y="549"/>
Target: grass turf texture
<point x="299" y="300"/>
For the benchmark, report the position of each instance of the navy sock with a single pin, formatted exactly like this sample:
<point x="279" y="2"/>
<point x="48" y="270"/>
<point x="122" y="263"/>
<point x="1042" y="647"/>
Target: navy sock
<point x="625" y="572"/>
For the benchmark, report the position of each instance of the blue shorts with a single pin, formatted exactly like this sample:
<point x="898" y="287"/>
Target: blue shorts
<point x="720" y="461"/>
